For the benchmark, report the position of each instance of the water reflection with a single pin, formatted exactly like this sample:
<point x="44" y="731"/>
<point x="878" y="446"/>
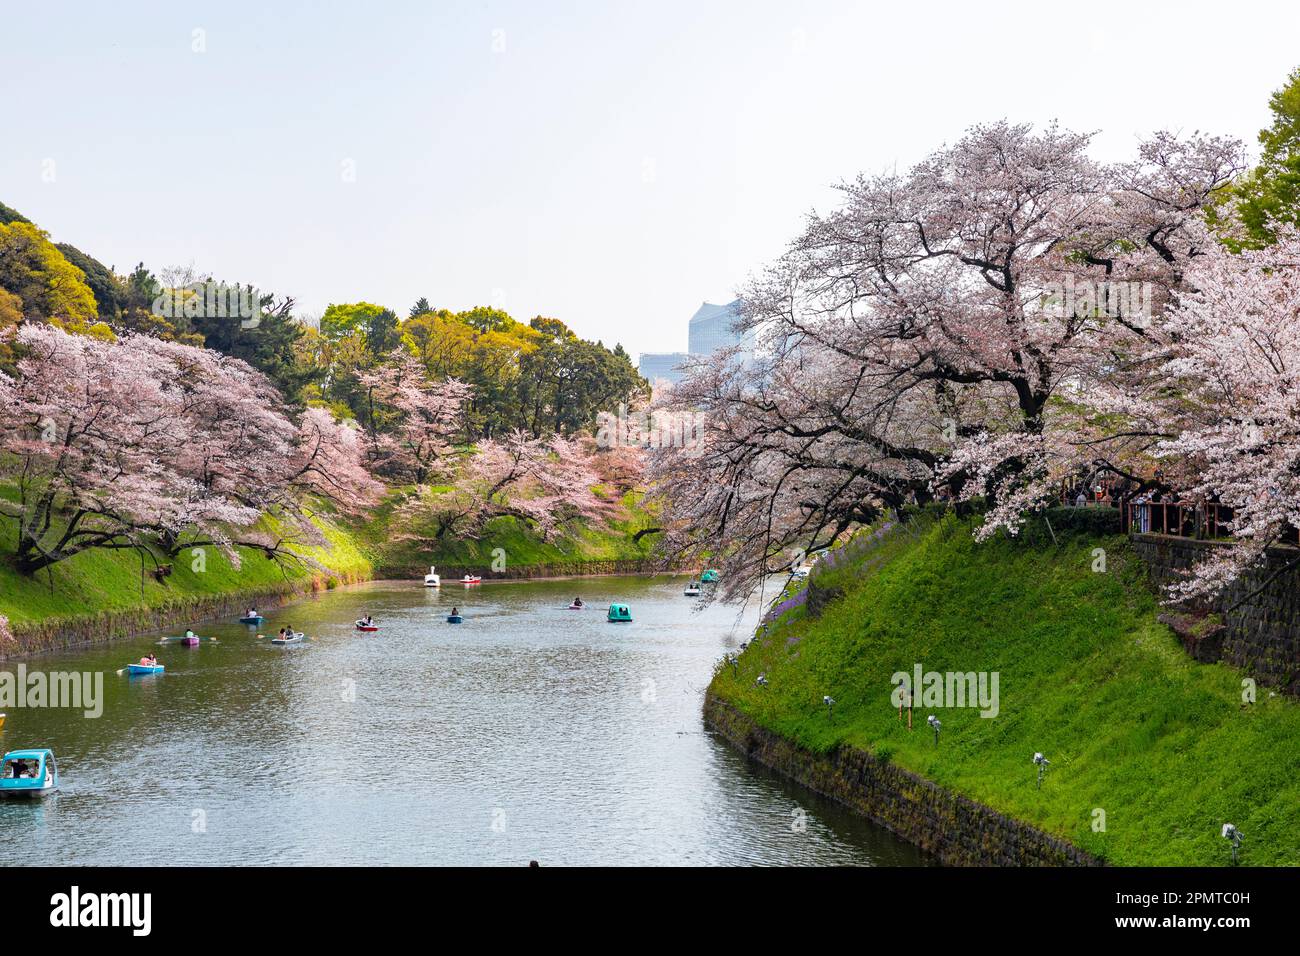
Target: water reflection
<point x="528" y="732"/>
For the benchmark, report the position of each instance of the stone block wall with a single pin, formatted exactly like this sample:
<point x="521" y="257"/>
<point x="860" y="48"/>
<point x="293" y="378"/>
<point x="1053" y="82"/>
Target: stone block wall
<point x="1261" y="634"/>
<point x="955" y="830"/>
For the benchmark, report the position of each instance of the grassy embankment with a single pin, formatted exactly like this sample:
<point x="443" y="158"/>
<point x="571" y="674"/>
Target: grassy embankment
<point x="97" y="582"/>
<point x="1131" y="724"/>
<point x="106" y="582"/>
<point x="520" y="544"/>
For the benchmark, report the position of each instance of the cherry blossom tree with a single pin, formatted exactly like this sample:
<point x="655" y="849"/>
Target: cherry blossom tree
<point x="1220" y="396"/>
<point x="933" y="335"/>
<point x="412" y="420"/>
<point x="791" y="456"/>
<point x="145" y="444"/>
<point x="545" y="482"/>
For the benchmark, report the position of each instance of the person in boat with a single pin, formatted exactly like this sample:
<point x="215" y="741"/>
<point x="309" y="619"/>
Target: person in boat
<point x="455" y="612"/>
<point x="252" y="612"/>
<point x="577" y="602"/>
<point x="149" y="660"/>
<point x="368" y="621"/>
<point x="189" y="632"/>
<point x="281" y="633"/>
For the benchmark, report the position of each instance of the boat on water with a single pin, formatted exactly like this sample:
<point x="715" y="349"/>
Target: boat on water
<point x="709" y="576"/>
<point x="190" y="640"/>
<point x="455" y="618"/>
<point x="693" y="589"/>
<point x="252" y="619"/>
<point x="577" y="606"/>
<point x="432" y="580"/>
<point x="619" y="614"/>
<point x="471" y="579"/>
<point x="28" y="773"/>
<point x="297" y="638"/>
<point x="363" y="626"/>
<point x="140" y="670"/>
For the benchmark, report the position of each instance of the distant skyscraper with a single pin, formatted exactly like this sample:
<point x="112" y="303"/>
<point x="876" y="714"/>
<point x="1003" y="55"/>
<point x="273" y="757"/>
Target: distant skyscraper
<point x="710" y="328"/>
<point x="662" y="366"/>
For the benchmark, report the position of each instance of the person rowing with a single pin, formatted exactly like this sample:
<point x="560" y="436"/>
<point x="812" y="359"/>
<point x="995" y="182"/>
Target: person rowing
<point x="577" y="602"/>
<point x="149" y="660"/>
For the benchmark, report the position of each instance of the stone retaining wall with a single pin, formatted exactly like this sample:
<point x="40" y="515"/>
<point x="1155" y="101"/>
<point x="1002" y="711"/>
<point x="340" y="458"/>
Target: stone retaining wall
<point x="1262" y="635"/>
<point x="955" y="830"/>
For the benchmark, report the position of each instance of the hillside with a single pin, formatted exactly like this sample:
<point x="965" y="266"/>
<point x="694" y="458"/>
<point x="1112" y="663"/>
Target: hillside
<point x="396" y="554"/>
<point x="105" y="581"/>
<point x="1132" y="726"/>
<point x="111" y="581"/>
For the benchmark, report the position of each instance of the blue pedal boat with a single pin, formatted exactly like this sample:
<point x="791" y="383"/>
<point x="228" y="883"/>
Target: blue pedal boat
<point x="252" y="619"/>
<point x="619" y="614"/>
<point x="142" y="669"/>
<point x="455" y="619"/>
<point x="710" y="576"/>
<point x="28" y="773"/>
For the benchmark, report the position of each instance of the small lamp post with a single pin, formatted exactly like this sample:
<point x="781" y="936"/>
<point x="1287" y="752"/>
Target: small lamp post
<point x="1042" y="763"/>
<point x="933" y="721"/>
<point x="1233" y="835"/>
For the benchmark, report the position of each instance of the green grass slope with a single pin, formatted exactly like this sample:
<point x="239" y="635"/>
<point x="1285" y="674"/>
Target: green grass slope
<point x="611" y="540"/>
<point x="111" y="581"/>
<point x="1133" y="727"/>
<point x="99" y="581"/>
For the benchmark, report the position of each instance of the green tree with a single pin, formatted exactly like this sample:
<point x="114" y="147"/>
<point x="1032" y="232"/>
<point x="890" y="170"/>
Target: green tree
<point x="484" y="318"/>
<point x="106" y="287"/>
<point x="382" y="333"/>
<point x="443" y="344"/>
<point x="8" y="215"/>
<point x="374" y="322"/>
<point x="51" y="288"/>
<point x="270" y="344"/>
<point x="1271" y="192"/>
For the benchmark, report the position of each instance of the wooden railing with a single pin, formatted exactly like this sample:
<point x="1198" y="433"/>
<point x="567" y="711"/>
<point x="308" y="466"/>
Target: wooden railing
<point x="1184" y="519"/>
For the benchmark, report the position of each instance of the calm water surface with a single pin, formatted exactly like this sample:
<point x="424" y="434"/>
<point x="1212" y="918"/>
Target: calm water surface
<point x="528" y="732"/>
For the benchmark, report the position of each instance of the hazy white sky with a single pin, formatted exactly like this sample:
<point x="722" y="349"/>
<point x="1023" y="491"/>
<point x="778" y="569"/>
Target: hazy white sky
<point x="610" y="164"/>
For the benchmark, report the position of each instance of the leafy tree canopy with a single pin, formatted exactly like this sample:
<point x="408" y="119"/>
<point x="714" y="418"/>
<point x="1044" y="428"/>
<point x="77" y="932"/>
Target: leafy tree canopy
<point x="1270" y="194"/>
